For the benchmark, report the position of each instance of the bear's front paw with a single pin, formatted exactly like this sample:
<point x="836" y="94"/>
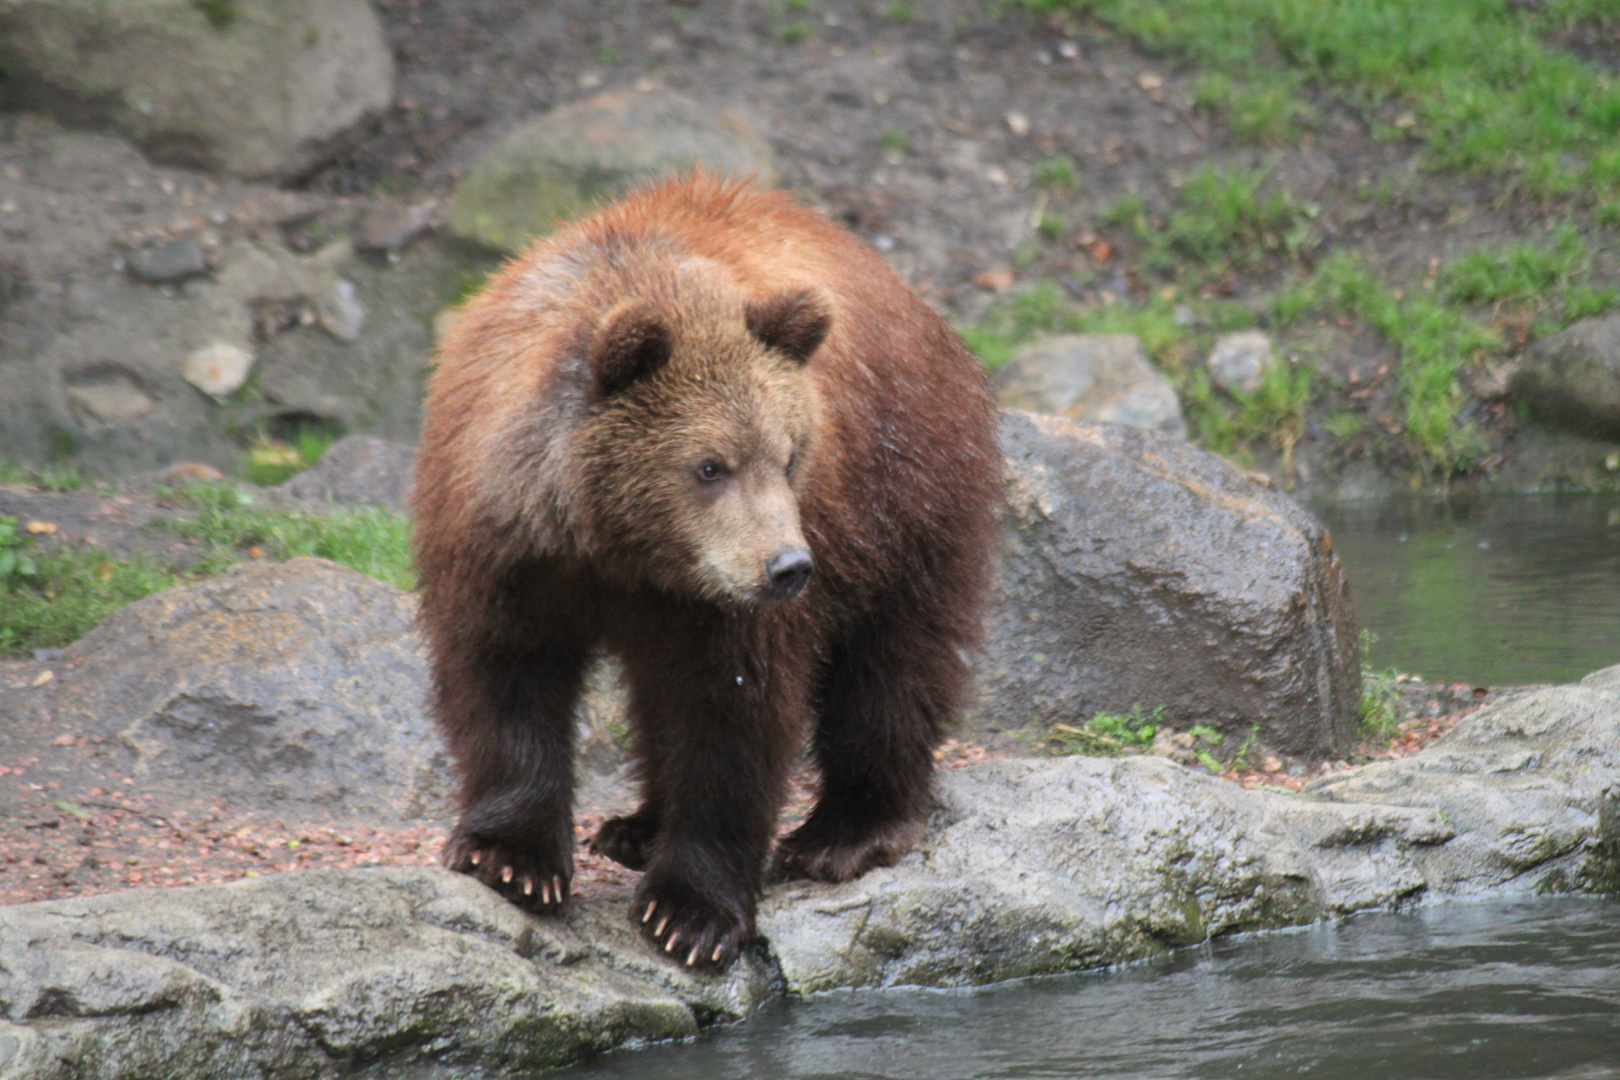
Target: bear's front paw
<point x="531" y="882"/>
<point x="823" y="853"/>
<point x="627" y="840"/>
<point x="697" y="930"/>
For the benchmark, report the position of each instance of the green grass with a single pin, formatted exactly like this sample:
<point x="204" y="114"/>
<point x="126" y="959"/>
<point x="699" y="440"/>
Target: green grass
<point x="50" y="598"/>
<point x="1106" y="734"/>
<point x="375" y="542"/>
<point x="1270" y="114"/>
<point x="1056" y="174"/>
<point x="1482" y="89"/>
<point x="1550" y="279"/>
<point x="894" y="140"/>
<point x="1224" y="217"/>
<point x="1229" y="423"/>
<point x="49" y="477"/>
<point x="1435" y="341"/>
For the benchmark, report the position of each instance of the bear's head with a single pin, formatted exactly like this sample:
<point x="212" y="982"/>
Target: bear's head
<point x="700" y="429"/>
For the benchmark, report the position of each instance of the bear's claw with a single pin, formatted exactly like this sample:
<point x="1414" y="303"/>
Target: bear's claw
<point x="511" y="873"/>
<point x="694" y="931"/>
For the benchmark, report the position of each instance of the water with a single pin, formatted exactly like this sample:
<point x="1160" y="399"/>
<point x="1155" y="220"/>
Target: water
<point x="1496" y="991"/>
<point x="1494" y="592"/>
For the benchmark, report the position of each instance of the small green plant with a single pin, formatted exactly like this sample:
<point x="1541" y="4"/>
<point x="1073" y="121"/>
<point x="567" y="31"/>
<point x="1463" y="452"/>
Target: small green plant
<point x="1107" y="734"/>
<point x="607" y="55"/>
<point x="1204" y="738"/>
<point x="899" y="12"/>
<point x="1380" y="697"/>
<point x="792" y="33"/>
<point x="1056" y="174"/>
<point x="795" y="5"/>
<point x="219" y="13"/>
<point x="15" y="560"/>
<point x="1247" y="755"/>
<point x="1053" y="225"/>
<point x="1130" y="213"/>
<point x="271" y="461"/>
<point x="894" y="140"/>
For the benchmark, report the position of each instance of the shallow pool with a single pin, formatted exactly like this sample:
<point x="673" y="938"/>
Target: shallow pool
<point x="1491" y="592"/>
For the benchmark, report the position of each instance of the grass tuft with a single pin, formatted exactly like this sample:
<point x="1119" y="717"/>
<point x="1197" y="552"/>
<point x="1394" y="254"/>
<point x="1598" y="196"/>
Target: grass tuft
<point x="53" y="597"/>
<point x="375" y="542"/>
<point x="1474" y="77"/>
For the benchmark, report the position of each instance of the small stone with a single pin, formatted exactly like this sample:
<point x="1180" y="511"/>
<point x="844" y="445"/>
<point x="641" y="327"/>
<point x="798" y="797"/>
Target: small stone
<point x="41" y="528"/>
<point x="43" y="677"/>
<point x="190" y="472"/>
<point x="388" y="228"/>
<point x="340" y="312"/>
<point x="218" y="368"/>
<point x="1018" y="123"/>
<point x="114" y="401"/>
<point x="1239" y="362"/>
<point x="996" y="279"/>
<point x="1149" y="81"/>
<point x="174" y="261"/>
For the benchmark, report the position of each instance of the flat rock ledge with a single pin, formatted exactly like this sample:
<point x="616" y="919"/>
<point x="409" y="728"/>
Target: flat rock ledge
<point x="1030" y="866"/>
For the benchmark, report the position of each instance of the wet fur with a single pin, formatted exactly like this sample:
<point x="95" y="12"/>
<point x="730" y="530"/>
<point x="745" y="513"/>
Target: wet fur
<point x="551" y="525"/>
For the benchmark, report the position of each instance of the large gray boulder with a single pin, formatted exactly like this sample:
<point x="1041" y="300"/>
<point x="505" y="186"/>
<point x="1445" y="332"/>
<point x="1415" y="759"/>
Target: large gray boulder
<point x="1028" y="867"/>
<point x="1104" y="378"/>
<point x="296" y="688"/>
<point x="251" y="87"/>
<point x="1139" y="571"/>
<point x="588" y="153"/>
<point x="1525" y="782"/>
<point x="1572" y="379"/>
<point x="320" y="972"/>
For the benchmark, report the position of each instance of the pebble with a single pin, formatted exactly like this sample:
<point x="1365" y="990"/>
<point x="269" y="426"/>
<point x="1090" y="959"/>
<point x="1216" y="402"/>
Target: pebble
<point x="340" y="312"/>
<point x="174" y="261"/>
<point x="218" y="368"/>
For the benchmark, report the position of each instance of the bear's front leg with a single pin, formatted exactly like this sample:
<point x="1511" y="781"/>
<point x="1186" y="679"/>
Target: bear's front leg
<point x="508" y="716"/>
<point x="717" y="741"/>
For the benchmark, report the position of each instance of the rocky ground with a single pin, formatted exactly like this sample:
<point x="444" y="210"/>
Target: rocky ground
<point x="930" y="129"/>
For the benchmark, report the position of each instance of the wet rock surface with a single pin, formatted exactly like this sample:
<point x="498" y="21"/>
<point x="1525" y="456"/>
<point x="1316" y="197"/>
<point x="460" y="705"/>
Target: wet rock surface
<point x="1102" y="378"/>
<point x="1028" y="866"/>
<point x="1140" y="572"/>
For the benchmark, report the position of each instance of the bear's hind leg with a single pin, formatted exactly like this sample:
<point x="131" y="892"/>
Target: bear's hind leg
<point x="888" y="695"/>
<point x="628" y="840"/>
<point x="508" y="715"/>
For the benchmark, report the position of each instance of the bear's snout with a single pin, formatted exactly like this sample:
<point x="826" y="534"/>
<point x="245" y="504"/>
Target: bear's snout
<point x="787" y="572"/>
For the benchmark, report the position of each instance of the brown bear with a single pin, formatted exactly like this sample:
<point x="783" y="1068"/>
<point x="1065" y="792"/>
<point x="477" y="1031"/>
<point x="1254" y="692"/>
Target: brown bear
<point x="711" y="433"/>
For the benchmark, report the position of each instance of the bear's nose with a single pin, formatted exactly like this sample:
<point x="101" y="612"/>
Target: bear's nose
<point x="788" y="570"/>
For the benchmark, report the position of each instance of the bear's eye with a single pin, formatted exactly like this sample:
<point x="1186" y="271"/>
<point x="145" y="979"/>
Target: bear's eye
<point x="792" y="460"/>
<point x="711" y="471"/>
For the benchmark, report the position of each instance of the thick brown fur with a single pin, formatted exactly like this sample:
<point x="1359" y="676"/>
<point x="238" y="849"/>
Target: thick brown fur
<point x="564" y="506"/>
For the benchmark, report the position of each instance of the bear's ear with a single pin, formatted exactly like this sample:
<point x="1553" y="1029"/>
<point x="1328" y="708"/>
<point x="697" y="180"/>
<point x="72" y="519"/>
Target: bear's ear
<point x="794" y="322"/>
<point x="630" y="343"/>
